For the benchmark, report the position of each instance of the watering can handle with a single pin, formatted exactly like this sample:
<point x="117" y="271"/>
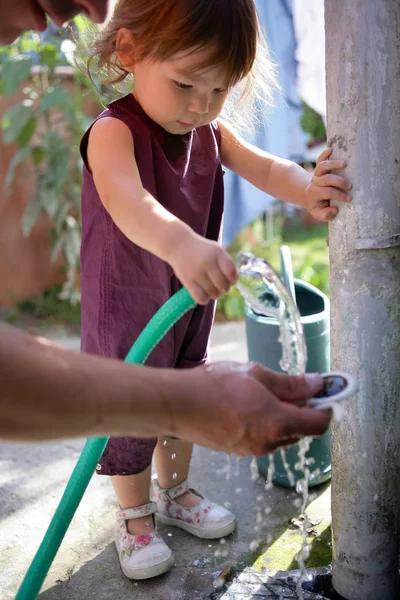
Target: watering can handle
<point x="287" y="270"/>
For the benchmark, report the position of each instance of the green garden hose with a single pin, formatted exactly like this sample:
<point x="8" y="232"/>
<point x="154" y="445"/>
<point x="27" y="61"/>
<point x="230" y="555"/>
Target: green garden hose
<point x="152" y="334"/>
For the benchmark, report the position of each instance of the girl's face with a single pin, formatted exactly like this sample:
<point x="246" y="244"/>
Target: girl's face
<point x="176" y="94"/>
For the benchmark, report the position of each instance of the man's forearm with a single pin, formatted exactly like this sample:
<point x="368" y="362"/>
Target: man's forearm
<point x="47" y="392"/>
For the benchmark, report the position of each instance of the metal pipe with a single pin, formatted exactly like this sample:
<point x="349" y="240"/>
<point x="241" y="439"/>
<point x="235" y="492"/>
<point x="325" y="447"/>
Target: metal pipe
<point x="363" y="98"/>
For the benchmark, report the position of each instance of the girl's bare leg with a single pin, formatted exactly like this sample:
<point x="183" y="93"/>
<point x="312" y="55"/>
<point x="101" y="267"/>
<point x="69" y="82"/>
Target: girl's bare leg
<point x="172" y="463"/>
<point x="133" y="491"/>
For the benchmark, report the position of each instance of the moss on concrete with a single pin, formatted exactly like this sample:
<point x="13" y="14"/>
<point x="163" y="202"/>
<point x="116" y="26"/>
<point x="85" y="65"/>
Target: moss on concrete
<point x="281" y="554"/>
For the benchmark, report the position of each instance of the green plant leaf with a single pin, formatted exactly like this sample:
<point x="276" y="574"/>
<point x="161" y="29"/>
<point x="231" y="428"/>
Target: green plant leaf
<point x="234" y="307"/>
<point x="55" y="96"/>
<point x="38" y="155"/>
<point x="72" y="246"/>
<point x="14" y="121"/>
<point x="18" y="158"/>
<point x="49" y="55"/>
<point x="31" y="215"/>
<point x="26" y="133"/>
<point x="57" y="247"/>
<point x="49" y="197"/>
<point x="15" y="70"/>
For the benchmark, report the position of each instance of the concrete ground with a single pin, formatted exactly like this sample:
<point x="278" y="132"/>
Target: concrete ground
<point x="33" y="477"/>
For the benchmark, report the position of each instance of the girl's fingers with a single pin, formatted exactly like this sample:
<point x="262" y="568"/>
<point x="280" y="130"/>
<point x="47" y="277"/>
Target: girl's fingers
<point x="324" y="155"/>
<point x="219" y="280"/>
<point x="329" y="165"/>
<point x="204" y="281"/>
<point x="197" y="293"/>
<point x="228" y="267"/>
<point x="325" y="213"/>
<point x="332" y="193"/>
<point x="330" y="179"/>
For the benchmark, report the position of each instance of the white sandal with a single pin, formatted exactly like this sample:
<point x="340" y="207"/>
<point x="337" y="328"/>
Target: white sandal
<point x="141" y="556"/>
<point x="207" y="520"/>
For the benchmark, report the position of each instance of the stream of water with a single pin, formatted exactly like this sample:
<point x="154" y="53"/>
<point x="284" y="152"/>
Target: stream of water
<point x="265" y="293"/>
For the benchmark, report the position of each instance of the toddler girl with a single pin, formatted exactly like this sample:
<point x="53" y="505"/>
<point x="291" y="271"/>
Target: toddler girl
<point x="152" y="205"/>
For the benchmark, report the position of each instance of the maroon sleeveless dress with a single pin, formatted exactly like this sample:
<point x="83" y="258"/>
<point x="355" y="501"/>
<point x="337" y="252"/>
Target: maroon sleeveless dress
<point x="124" y="285"/>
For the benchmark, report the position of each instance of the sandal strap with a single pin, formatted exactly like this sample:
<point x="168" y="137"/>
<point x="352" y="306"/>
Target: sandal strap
<point x="138" y="511"/>
<point x="176" y="491"/>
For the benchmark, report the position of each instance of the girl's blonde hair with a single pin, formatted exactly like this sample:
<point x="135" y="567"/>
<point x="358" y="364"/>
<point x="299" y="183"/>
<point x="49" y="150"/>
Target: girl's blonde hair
<point x="161" y="28"/>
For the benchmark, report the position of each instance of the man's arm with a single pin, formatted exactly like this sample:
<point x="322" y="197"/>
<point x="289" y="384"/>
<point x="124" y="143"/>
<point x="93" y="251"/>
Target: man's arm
<point x="50" y="393"/>
<point x="47" y="392"/>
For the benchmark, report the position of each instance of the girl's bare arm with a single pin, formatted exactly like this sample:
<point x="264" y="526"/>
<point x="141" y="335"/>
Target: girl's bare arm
<point x="282" y="178"/>
<point x="111" y="158"/>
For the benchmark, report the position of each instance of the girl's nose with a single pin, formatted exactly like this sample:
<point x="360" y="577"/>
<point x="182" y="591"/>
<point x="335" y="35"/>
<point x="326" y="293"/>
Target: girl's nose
<point x="199" y="104"/>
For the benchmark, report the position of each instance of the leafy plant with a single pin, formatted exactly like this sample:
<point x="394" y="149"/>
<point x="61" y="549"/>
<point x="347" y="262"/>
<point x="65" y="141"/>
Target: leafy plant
<point x="312" y="123"/>
<point x="47" y="126"/>
<point x="44" y="310"/>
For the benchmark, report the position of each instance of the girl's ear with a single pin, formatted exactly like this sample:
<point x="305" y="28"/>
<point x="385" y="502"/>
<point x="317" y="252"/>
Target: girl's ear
<point x="125" y="49"/>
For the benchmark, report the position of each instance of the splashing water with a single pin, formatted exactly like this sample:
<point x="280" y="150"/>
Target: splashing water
<point x="266" y="294"/>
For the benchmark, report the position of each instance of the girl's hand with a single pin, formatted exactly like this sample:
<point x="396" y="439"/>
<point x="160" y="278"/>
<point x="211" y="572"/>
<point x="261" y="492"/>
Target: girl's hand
<point x="326" y="186"/>
<point x="203" y="267"/>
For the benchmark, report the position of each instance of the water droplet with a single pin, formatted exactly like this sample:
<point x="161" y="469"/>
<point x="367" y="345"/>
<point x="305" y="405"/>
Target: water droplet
<point x="229" y="466"/>
<point x="228" y="504"/>
<point x="174" y="476"/>
<point x="238" y="490"/>
<point x="164" y="442"/>
<point x="222" y="541"/>
<point x="98" y="468"/>
<point x="173" y="456"/>
<point x="254" y="469"/>
<point x="268" y="510"/>
<point x="254" y="545"/>
<point x="219" y="583"/>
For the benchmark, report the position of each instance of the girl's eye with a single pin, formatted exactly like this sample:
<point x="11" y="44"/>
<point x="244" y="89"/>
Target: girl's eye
<point x="220" y="90"/>
<point x="183" y="86"/>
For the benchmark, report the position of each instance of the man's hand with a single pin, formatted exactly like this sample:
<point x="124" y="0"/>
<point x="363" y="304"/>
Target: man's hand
<point x="245" y="408"/>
